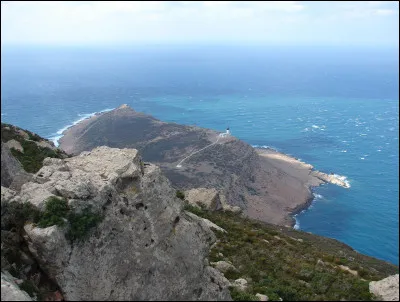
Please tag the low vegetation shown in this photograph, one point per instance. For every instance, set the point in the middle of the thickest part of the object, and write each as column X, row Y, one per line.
column 56, row 212
column 293, row 265
column 180, row 195
column 33, row 155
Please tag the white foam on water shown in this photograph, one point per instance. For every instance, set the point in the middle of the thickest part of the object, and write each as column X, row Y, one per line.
column 342, row 178
column 83, row 116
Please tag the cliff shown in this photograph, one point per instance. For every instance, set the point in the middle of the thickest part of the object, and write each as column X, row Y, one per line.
column 144, row 248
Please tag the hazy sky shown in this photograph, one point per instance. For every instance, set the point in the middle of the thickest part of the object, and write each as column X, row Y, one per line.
column 291, row 22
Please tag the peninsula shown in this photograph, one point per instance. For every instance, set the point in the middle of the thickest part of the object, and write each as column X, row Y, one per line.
column 267, row 185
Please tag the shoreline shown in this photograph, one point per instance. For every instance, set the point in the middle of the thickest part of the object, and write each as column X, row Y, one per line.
column 313, row 179
column 284, row 182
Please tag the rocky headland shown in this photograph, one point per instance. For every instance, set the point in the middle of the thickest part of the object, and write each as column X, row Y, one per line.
column 267, row 185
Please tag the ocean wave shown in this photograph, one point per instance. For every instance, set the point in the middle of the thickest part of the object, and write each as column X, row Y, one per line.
column 297, row 224
column 342, row 178
column 83, row 116
column 265, row 147
column 318, row 196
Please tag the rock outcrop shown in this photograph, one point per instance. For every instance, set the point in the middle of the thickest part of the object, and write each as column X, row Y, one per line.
column 12, row 173
column 386, row 289
column 145, row 248
column 210, row 199
column 10, row 291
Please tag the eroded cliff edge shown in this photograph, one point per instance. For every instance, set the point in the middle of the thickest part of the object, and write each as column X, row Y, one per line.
column 145, row 248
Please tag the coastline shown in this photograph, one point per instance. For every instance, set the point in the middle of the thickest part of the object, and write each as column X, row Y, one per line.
column 305, row 173
column 283, row 184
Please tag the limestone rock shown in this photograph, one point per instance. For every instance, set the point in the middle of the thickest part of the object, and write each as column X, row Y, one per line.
column 206, row 197
column 46, row 144
column 10, row 291
column 386, row 289
column 146, row 247
column 262, row 297
column 12, row 143
column 209, row 223
column 240, row 284
column 12, row 173
column 223, row 266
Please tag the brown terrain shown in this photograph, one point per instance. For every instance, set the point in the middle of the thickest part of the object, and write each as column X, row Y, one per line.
column 267, row 185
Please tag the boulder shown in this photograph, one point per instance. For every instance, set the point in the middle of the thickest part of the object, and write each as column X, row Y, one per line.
column 240, row 284
column 223, row 266
column 12, row 173
column 209, row 198
column 10, row 290
column 262, row 297
column 12, row 143
column 386, row 289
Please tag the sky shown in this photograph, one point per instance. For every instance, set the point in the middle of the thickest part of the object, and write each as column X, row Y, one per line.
column 374, row 23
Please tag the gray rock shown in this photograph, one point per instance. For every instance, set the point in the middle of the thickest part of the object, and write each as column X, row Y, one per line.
column 262, row 297
column 223, row 266
column 12, row 143
column 240, row 284
column 10, row 291
column 12, row 173
column 386, row 289
column 210, row 224
column 146, row 247
column 206, row 197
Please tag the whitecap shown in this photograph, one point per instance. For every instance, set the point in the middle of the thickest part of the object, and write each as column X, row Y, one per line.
column 83, row 116
column 342, row 178
column 318, row 196
column 362, row 158
column 379, row 150
column 344, row 151
column 297, row 224
column 315, row 126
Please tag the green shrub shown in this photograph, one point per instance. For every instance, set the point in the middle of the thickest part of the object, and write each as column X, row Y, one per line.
column 238, row 295
column 195, row 210
column 81, row 223
column 16, row 214
column 55, row 210
column 29, row 287
column 180, row 194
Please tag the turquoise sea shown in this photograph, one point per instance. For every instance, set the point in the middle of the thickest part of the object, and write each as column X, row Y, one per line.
column 335, row 108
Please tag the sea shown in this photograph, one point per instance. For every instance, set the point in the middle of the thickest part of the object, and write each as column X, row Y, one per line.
column 335, row 107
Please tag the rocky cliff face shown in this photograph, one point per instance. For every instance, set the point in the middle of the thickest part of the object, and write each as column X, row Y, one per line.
column 12, row 173
column 259, row 186
column 145, row 248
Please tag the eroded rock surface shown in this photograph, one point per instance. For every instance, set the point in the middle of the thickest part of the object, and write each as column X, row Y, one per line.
column 145, row 248
column 10, row 291
column 386, row 289
column 12, row 173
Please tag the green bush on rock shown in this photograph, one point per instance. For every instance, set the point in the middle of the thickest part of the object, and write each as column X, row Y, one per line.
column 55, row 211
column 81, row 223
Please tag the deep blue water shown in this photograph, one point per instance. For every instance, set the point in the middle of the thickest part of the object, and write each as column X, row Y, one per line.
column 334, row 108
